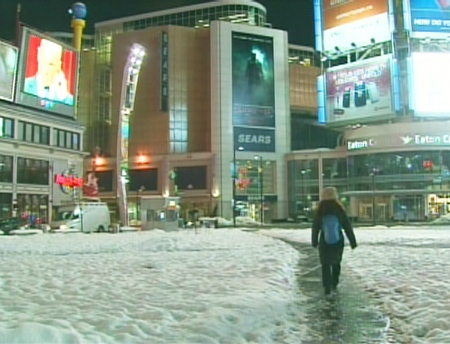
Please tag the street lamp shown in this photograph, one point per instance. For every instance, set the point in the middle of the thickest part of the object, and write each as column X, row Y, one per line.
column 234, row 177
column 138, row 202
column 303, row 192
column 374, row 220
column 261, row 188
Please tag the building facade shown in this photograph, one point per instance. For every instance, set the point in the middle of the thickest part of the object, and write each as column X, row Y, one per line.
column 38, row 154
column 377, row 93
column 41, row 143
column 191, row 132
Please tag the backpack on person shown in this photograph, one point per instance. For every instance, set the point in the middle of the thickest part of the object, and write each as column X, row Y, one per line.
column 331, row 228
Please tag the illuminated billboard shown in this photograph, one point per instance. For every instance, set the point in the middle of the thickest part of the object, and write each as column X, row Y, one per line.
column 430, row 96
column 341, row 19
column 48, row 74
column 254, row 139
column 430, row 16
column 359, row 90
column 8, row 68
column 253, row 80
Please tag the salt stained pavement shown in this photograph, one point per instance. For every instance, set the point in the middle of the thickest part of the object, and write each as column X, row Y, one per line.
column 218, row 286
column 406, row 270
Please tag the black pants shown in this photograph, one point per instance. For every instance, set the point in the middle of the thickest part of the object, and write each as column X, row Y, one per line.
column 330, row 275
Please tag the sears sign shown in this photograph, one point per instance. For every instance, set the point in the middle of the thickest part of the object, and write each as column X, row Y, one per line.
column 254, row 140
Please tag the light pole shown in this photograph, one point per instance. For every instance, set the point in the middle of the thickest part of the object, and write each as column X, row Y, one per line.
column 234, row 177
column 138, row 202
column 261, row 188
column 303, row 192
column 374, row 220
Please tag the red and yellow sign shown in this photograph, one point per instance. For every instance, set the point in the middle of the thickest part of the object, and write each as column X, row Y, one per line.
column 68, row 181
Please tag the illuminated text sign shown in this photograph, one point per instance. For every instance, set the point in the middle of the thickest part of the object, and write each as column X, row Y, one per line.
column 360, row 144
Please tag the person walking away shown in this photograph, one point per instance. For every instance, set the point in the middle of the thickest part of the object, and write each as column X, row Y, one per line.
column 330, row 219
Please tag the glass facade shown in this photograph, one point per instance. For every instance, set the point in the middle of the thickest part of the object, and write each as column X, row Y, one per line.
column 376, row 187
column 34, row 133
column 39, row 134
column 5, row 205
column 198, row 18
column 66, row 139
column 32, row 171
column 32, row 208
column 6, row 169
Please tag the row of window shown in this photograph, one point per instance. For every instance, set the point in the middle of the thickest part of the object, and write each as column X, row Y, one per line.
column 382, row 164
column 193, row 18
column 39, row 134
column 417, row 170
column 29, row 171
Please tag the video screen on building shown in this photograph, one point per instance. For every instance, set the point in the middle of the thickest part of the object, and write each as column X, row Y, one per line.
column 358, row 22
column 48, row 74
column 430, row 87
column 431, row 16
column 8, row 69
column 253, row 80
column 359, row 90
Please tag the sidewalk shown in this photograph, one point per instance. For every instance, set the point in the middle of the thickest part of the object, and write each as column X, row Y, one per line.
column 347, row 317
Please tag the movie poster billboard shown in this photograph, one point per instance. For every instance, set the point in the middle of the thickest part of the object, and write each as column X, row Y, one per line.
column 348, row 21
column 430, row 96
column 253, row 80
column 48, row 74
column 360, row 90
column 8, row 69
column 430, row 16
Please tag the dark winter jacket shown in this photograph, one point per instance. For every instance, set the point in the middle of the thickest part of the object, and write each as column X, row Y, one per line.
column 331, row 254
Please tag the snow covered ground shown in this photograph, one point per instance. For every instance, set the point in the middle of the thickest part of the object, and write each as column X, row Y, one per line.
column 407, row 269
column 218, row 286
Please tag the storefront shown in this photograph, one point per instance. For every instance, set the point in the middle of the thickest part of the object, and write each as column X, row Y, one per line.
column 393, row 172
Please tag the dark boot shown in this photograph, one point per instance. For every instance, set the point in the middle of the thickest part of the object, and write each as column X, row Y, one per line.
column 335, row 274
column 326, row 278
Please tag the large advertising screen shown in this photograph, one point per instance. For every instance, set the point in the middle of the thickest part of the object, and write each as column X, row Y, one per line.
column 253, row 80
column 359, row 90
column 430, row 87
column 431, row 16
column 48, row 74
column 350, row 21
column 8, row 68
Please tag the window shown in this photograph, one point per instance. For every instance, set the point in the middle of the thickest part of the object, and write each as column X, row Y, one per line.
column 32, row 171
column 34, row 133
column 6, row 169
column 6, row 128
column 66, row 139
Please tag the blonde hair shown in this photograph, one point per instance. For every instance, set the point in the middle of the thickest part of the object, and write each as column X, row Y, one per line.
column 329, row 194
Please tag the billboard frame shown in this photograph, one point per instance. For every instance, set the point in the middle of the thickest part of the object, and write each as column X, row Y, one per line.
column 14, row 76
column 408, row 20
column 323, row 112
column 41, row 103
column 320, row 22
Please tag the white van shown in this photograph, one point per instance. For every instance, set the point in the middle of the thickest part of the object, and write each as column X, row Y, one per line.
column 83, row 217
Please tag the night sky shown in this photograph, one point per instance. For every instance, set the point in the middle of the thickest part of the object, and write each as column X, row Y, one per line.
column 294, row 16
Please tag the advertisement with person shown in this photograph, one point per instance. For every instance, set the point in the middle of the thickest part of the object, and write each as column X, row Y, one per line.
column 48, row 74
column 8, row 68
column 342, row 18
column 430, row 96
column 253, row 80
column 360, row 90
column 431, row 16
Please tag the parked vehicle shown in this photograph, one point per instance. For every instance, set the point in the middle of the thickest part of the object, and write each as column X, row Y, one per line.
column 7, row 225
column 83, row 217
